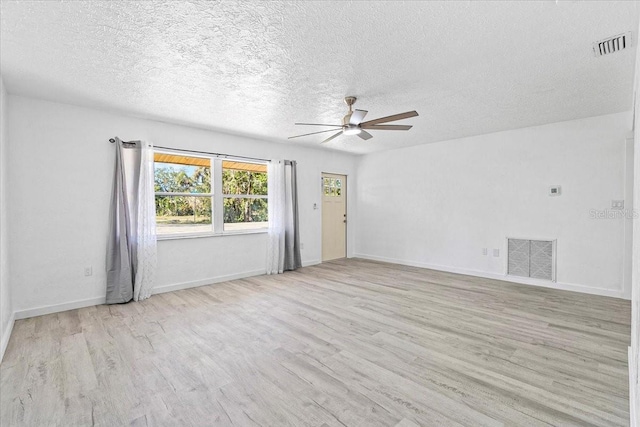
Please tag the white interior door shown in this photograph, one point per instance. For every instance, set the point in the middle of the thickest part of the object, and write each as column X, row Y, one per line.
column 334, row 216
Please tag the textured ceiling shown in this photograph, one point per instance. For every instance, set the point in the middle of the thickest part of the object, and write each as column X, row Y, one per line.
column 255, row 68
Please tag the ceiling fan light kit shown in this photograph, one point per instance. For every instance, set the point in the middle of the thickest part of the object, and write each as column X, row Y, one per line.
column 352, row 123
column 352, row 130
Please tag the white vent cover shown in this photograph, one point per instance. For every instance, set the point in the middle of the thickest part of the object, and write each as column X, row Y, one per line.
column 612, row 44
column 531, row 258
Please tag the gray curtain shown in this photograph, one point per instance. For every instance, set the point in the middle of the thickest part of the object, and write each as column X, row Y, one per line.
column 292, row 257
column 121, row 249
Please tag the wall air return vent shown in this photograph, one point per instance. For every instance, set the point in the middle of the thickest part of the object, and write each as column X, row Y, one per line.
column 531, row 258
column 612, row 44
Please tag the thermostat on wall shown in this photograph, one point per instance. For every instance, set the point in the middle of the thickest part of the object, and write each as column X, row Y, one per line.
column 554, row 190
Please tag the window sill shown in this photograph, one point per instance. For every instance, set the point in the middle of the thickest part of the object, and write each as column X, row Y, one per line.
column 203, row 235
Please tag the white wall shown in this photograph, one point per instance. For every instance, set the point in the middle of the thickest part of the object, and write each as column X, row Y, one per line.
column 437, row 205
column 61, row 174
column 6, row 309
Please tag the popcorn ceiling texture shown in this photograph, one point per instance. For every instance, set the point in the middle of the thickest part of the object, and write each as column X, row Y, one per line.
column 255, row 68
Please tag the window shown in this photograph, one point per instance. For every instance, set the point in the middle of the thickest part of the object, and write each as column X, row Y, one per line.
column 207, row 195
column 332, row 187
column 244, row 188
column 183, row 194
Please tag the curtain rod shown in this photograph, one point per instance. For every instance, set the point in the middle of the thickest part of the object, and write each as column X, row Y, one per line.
column 112, row 140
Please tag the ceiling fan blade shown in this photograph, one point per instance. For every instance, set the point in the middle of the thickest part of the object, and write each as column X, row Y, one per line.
column 387, row 127
column 312, row 133
column 365, row 135
column 331, row 137
column 390, row 118
column 316, row 124
column 357, row 117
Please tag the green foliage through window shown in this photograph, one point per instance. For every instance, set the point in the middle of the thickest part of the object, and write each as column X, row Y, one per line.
column 244, row 209
column 183, row 196
column 174, row 178
column 185, row 201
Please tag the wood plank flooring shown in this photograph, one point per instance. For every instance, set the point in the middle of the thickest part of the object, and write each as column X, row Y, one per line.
column 345, row 343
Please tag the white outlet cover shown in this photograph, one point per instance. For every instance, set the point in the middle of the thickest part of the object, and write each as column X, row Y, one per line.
column 617, row 204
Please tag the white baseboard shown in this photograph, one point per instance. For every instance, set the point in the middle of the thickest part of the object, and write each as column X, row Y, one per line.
column 204, row 282
column 487, row 275
column 57, row 308
column 312, row 262
column 6, row 334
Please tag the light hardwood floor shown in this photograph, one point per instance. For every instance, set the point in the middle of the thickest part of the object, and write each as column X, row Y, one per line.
column 346, row 343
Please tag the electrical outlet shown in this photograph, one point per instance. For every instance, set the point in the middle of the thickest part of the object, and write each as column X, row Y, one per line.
column 484, row 251
column 617, row 204
column 301, row 245
column 496, row 253
column 88, row 271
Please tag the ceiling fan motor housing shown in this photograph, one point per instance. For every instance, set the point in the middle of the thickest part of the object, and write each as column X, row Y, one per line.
column 349, row 100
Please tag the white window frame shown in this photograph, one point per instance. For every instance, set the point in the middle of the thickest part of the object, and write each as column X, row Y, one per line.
column 238, row 196
column 217, row 197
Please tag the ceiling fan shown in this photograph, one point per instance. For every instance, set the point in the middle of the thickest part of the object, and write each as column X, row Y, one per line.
column 352, row 123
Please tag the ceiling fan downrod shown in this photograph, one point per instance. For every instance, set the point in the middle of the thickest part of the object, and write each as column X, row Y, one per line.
column 347, row 127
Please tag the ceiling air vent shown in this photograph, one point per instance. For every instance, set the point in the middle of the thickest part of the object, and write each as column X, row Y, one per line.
column 612, row 44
